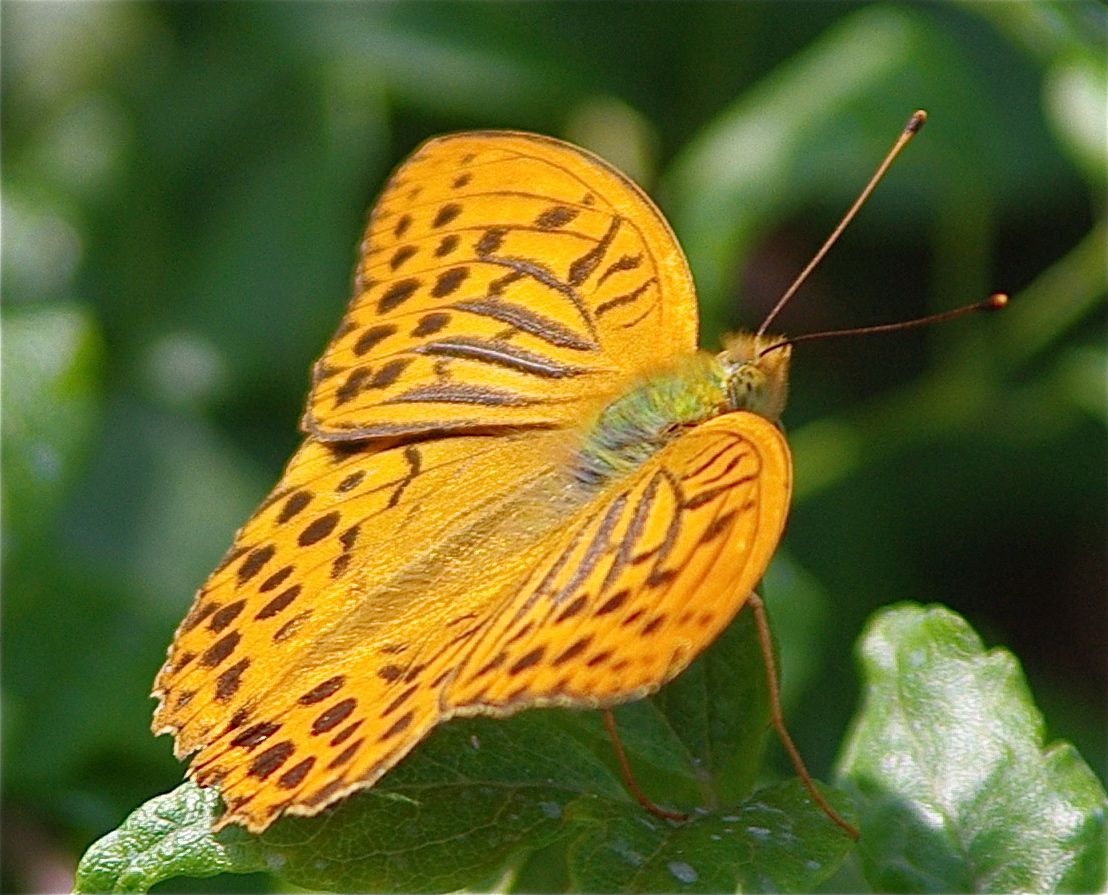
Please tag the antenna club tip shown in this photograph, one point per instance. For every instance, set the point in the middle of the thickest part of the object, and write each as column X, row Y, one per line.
column 918, row 120
column 996, row 301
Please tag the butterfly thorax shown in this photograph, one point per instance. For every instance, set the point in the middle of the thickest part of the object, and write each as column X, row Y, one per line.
column 639, row 423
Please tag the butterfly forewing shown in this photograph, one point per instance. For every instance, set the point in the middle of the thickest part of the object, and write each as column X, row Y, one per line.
column 505, row 279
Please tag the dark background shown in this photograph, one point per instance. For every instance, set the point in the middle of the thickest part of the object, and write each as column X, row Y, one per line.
column 183, row 186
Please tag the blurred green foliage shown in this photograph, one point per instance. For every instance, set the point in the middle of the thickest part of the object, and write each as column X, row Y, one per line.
column 183, row 186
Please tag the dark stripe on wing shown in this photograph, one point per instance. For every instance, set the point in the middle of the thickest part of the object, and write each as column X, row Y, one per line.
column 627, row 262
column 542, row 590
column 633, row 534
column 545, row 277
column 462, row 393
column 598, row 547
column 661, row 553
column 727, row 469
column 714, row 450
column 582, row 268
column 626, row 299
column 526, row 320
column 709, row 494
column 502, row 354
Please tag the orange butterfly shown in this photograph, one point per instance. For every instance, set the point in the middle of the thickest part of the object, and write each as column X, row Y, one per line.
column 521, row 486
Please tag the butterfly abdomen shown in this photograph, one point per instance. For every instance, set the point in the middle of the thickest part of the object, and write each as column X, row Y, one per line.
column 641, row 422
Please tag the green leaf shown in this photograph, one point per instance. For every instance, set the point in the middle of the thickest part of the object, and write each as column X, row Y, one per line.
column 481, row 795
column 775, row 841
column 958, row 793
column 171, row 835
column 475, row 795
column 410, row 837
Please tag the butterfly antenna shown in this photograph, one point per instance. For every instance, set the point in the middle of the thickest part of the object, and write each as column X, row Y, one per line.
column 914, row 124
column 629, row 778
column 778, row 717
column 994, row 302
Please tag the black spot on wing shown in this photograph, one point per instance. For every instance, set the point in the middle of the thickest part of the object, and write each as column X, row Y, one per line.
column 372, row 337
column 430, row 324
column 446, row 214
column 398, row 293
column 555, row 216
column 449, row 281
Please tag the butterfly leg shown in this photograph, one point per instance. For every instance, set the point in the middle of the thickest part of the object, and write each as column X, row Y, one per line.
column 629, row 778
column 778, row 718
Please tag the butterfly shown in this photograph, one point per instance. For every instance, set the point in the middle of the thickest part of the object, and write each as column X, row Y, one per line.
column 520, row 485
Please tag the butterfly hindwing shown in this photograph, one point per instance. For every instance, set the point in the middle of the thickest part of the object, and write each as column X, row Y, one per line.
column 646, row 576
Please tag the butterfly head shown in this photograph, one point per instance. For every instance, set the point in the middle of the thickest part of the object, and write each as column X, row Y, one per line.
column 756, row 379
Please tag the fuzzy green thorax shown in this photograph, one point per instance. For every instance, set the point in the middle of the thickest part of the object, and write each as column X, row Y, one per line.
column 641, row 422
